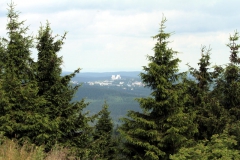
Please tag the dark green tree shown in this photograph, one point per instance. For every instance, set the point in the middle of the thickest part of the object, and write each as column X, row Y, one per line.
column 72, row 128
column 21, row 115
column 219, row 147
column 211, row 115
column 163, row 127
column 105, row 145
column 228, row 87
column 232, row 79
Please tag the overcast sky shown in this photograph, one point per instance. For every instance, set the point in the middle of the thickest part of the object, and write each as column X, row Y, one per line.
column 115, row 35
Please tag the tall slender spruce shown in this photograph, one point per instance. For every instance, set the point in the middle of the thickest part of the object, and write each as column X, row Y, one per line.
column 232, row 79
column 72, row 128
column 105, row 145
column 229, row 87
column 163, row 126
column 20, row 117
column 211, row 115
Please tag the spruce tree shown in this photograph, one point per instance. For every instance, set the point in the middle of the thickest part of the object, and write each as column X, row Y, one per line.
column 228, row 87
column 105, row 145
column 21, row 115
column 72, row 128
column 211, row 115
column 232, row 79
column 163, row 126
column 220, row 146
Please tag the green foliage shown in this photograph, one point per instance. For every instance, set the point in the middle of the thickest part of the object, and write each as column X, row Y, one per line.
column 231, row 87
column 20, row 106
column 216, row 108
column 72, row 127
column 105, row 145
column 104, row 126
column 211, row 115
column 164, row 126
column 229, row 81
column 36, row 101
column 221, row 147
column 182, row 118
column 48, row 64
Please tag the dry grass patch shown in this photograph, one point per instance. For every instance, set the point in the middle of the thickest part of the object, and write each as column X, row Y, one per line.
column 10, row 150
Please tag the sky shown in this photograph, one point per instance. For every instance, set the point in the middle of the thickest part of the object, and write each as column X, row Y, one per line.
column 116, row 35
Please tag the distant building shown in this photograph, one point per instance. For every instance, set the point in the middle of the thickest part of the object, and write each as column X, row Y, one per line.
column 91, row 83
column 117, row 77
column 121, row 83
column 137, row 83
column 113, row 77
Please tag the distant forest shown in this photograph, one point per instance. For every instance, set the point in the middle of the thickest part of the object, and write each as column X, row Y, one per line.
column 43, row 114
column 119, row 100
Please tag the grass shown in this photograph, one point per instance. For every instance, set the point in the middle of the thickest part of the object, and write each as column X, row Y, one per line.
column 10, row 150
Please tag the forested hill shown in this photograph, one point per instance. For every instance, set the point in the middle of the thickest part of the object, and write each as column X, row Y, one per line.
column 120, row 98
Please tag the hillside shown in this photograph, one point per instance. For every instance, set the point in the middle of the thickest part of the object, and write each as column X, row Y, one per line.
column 120, row 98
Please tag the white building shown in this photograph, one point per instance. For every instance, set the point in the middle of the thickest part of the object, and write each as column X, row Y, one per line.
column 117, row 77
column 136, row 83
column 113, row 77
column 121, row 83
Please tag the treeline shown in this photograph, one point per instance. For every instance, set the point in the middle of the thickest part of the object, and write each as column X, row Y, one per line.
column 36, row 101
column 119, row 100
column 182, row 118
column 191, row 115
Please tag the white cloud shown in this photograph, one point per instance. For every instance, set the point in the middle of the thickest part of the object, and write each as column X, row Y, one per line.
column 189, row 47
column 116, row 35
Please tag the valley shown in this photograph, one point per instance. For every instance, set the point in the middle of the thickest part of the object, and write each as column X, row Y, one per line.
column 120, row 94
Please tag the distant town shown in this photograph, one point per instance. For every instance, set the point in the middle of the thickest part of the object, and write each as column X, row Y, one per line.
column 115, row 80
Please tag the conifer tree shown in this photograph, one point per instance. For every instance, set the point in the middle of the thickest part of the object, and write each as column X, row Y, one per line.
column 220, row 146
column 227, row 84
column 232, row 80
column 211, row 115
column 228, row 87
column 105, row 144
column 72, row 128
column 163, row 127
column 20, row 117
